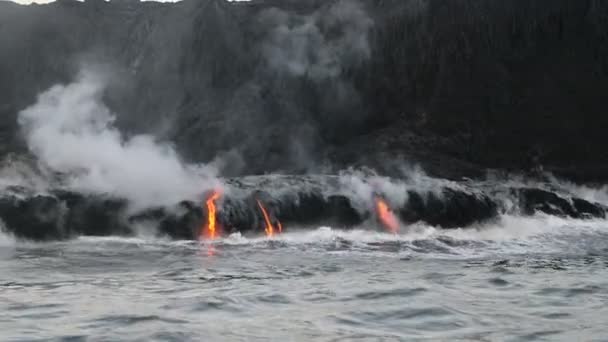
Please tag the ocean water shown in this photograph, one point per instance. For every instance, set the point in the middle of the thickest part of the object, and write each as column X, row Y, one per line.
column 518, row 279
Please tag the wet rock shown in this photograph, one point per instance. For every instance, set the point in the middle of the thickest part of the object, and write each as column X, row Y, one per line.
column 448, row 209
column 296, row 203
column 314, row 209
column 184, row 222
column 37, row 218
column 588, row 209
column 533, row 200
column 539, row 200
column 95, row 215
column 244, row 214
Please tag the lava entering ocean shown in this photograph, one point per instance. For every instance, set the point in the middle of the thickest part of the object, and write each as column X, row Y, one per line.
column 209, row 232
column 386, row 216
column 269, row 228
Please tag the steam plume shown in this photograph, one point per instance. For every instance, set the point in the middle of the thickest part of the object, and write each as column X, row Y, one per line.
column 72, row 132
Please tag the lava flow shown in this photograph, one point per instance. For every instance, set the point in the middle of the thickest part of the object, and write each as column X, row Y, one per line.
column 386, row 216
column 269, row 227
column 210, row 230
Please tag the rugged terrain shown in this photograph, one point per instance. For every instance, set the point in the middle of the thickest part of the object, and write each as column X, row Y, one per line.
column 296, row 202
column 300, row 86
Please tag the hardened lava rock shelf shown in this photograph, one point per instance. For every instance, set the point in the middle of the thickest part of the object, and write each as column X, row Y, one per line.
column 291, row 202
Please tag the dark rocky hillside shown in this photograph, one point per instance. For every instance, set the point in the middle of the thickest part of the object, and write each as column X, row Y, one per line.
column 456, row 85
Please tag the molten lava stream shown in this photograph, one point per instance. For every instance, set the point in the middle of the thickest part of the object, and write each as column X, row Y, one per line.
column 269, row 229
column 210, row 230
column 386, row 216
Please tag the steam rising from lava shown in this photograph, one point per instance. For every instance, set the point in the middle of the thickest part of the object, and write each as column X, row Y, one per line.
column 72, row 133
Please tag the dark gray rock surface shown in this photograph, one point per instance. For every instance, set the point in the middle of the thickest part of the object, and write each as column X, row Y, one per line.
column 297, row 202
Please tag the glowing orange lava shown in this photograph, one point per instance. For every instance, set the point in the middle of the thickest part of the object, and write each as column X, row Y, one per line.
column 386, row 216
column 269, row 227
column 211, row 226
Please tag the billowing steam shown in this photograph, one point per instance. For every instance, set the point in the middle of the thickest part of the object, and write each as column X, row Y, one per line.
column 72, row 132
column 319, row 45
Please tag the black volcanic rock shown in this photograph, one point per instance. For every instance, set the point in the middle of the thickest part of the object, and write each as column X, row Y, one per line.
column 184, row 222
column 297, row 202
column 37, row 218
column 587, row 209
column 455, row 85
column 534, row 200
column 448, row 209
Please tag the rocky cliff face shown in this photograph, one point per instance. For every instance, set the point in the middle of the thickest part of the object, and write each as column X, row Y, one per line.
column 269, row 85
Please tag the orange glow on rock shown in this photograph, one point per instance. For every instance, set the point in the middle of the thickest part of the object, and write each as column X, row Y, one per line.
column 386, row 216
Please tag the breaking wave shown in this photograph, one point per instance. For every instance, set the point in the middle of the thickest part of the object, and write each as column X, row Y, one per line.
column 511, row 235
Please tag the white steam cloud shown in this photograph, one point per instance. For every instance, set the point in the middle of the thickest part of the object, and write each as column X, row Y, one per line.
column 72, row 132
